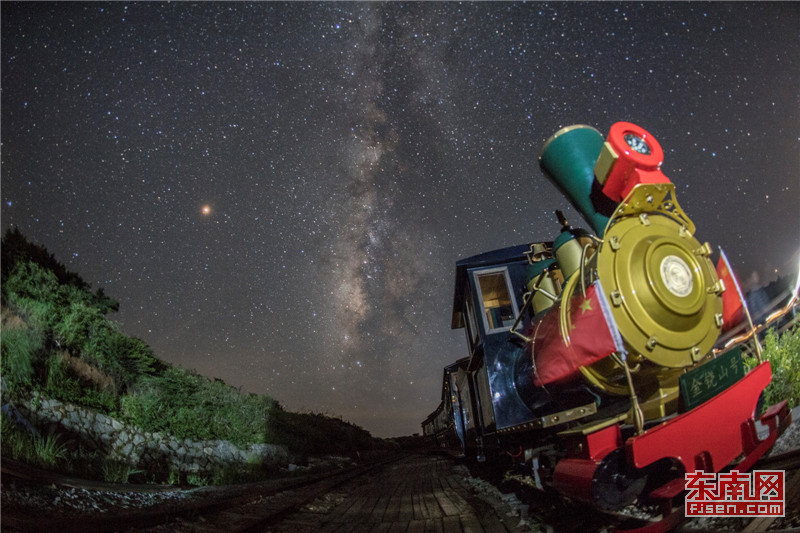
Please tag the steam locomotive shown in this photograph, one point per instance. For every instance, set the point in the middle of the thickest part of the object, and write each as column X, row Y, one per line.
column 591, row 357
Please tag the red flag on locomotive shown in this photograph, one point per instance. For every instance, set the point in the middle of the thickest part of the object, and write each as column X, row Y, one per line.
column 732, row 299
column 587, row 334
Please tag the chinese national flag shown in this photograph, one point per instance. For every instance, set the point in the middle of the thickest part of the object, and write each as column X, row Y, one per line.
column 589, row 334
column 732, row 300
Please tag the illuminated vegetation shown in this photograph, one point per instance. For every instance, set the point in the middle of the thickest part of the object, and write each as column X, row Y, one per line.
column 57, row 339
column 783, row 353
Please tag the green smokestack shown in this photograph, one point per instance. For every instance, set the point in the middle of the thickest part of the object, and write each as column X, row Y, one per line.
column 568, row 159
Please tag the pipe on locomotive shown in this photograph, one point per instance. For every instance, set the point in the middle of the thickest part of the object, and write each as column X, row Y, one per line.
column 597, row 174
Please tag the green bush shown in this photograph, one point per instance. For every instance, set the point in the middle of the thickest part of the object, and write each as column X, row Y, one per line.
column 16, row 250
column 783, row 353
column 62, row 384
column 134, row 357
column 19, row 444
column 16, row 443
column 195, row 407
column 103, row 401
column 105, row 350
column 59, row 384
column 77, row 324
column 29, row 281
column 19, row 349
column 115, row 471
column 197, row 480
column 73, row 318
column 49, row 451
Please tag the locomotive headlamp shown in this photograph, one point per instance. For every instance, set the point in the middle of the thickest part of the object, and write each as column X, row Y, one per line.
column 637, row 144
column 630, row 156
column 676, row 276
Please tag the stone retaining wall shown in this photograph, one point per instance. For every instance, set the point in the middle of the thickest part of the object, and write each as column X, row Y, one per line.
column 137, row 448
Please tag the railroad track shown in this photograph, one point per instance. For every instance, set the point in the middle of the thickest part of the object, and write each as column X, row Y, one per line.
column 329, row 502
column 789, row 460
column 790, row 463
column 564, row 515
column 560, row 514
column 21, row 473
column 241, row 508
column 256, row 512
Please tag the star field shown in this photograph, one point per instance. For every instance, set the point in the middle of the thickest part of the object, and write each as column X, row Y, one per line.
column 277, row 193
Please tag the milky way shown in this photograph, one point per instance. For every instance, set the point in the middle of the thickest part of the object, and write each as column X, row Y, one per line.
column 277, row 193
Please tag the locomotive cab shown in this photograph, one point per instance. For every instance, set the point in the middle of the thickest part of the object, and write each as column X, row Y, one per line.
column 491, row 303
column 487, row 303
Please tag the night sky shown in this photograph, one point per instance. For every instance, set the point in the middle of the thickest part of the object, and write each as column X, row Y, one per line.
column 277, row 193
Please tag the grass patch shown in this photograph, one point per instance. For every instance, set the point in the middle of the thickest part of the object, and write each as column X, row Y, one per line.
column 16, row 442
column 49, row 450
column 19, row 348
column 197, row 480
column 194, row 407
column 783, row 353
column 45, row 451
column 115, row 471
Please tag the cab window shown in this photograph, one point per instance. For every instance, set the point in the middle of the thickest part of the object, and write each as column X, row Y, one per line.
column 494, row 290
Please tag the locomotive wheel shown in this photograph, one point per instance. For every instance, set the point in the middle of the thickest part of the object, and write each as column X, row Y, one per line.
column 615, row 484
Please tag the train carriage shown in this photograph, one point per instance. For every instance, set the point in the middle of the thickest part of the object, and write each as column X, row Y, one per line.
column 444, row 428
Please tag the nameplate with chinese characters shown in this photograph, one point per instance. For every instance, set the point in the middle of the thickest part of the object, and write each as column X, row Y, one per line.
column 705, row 382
